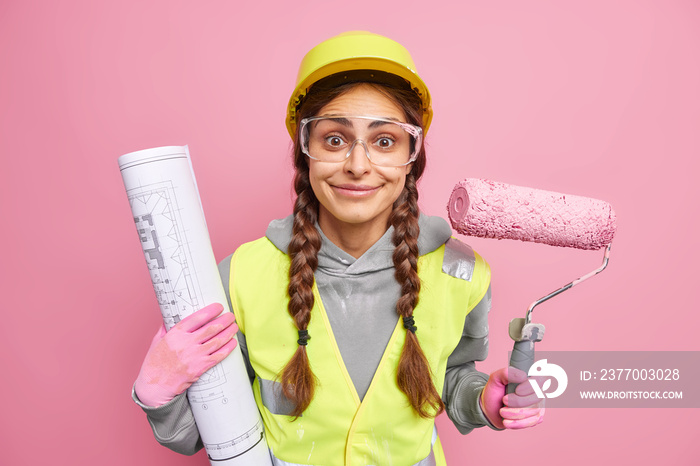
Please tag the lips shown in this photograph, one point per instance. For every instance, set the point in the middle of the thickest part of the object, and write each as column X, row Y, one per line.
column 355, row 190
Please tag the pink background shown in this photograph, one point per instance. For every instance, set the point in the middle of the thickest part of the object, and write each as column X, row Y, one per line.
column 596, row 98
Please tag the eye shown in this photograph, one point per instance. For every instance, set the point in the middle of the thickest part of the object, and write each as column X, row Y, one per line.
column 385, row 142
column 334, row 141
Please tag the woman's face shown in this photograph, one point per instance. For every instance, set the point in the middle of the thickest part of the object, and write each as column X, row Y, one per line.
column 355, row 192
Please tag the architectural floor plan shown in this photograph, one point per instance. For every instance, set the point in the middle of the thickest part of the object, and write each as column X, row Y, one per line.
column 172, row 230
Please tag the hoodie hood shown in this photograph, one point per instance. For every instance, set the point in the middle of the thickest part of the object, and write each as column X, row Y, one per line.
column 361, row 293
column 434, row 231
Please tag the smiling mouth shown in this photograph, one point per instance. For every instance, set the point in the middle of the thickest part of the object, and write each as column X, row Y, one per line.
column 354, row 190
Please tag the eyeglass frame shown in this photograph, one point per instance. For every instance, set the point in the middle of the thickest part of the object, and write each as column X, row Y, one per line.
column 413, row 130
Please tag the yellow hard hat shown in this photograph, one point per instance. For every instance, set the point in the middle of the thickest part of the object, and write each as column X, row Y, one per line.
column 351, row 51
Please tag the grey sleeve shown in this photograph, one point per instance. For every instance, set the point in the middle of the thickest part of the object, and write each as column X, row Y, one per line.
column 463, row 383
column 173, row 423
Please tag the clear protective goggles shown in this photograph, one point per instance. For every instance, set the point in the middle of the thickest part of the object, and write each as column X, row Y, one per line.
column 387, row 142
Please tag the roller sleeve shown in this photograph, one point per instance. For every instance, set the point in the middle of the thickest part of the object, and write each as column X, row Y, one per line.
column 489, row 209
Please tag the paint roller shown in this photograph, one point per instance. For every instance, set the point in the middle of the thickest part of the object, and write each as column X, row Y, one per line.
column 489, row 209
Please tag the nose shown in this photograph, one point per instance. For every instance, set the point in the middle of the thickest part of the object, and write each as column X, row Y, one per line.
column 357, row 160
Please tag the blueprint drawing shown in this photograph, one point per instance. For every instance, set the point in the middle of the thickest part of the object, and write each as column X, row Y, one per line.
column 170, row 223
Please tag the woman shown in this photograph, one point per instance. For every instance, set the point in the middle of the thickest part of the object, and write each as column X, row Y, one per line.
column 344, row 381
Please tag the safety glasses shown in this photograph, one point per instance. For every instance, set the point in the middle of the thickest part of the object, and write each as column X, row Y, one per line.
column 387, row 142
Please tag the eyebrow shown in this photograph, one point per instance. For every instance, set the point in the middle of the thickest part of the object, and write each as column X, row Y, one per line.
column 374, row 124
column 343, row 121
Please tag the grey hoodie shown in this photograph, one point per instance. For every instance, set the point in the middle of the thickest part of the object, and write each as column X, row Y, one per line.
column 359, row 296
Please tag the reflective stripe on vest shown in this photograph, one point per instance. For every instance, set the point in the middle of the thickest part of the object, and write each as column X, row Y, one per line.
column 459, row 259
column 338, row 429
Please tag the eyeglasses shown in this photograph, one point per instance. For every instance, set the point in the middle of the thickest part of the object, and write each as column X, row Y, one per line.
column 387, row 143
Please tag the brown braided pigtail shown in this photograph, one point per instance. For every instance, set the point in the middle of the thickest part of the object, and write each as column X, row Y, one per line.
column 298, row 380
column 413, row 374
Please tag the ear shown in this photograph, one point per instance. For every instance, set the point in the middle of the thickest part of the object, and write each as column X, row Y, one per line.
column 409, row 167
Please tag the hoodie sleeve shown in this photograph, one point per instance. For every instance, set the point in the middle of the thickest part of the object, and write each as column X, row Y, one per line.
column 463, row 383
column 173, row 423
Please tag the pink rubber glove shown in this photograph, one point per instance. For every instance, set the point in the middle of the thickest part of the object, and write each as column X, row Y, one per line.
column 515, row 410
column 178, row 358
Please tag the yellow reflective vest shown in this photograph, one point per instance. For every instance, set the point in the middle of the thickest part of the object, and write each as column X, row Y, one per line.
column 337, row 428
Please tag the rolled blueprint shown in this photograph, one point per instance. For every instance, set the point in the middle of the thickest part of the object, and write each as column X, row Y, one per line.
column 170, row 222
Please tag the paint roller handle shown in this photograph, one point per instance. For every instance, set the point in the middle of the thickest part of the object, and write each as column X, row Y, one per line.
column 522, row 357
column 525, row 334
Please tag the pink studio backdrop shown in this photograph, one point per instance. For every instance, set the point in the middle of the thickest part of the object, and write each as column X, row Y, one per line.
column 597, row 98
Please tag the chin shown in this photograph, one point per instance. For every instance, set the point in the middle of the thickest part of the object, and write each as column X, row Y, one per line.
column 356, row 215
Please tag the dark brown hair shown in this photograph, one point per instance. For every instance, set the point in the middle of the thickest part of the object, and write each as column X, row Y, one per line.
column 413, row 373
